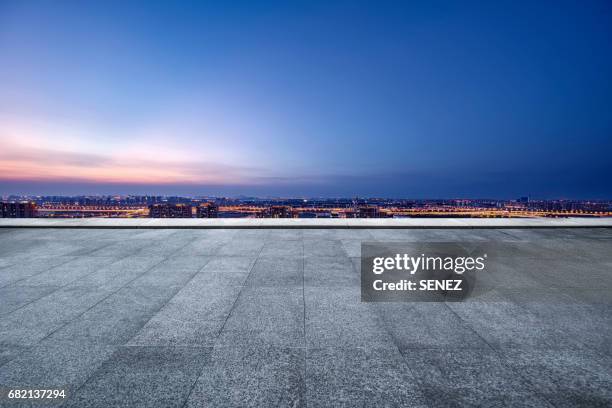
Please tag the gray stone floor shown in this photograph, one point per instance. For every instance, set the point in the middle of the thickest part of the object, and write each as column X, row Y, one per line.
column 213, row 318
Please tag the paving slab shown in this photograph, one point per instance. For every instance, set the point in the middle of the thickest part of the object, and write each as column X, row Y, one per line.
column 241, row 247
column 565, row 378
column 163, row 247
column 229, row 264
column 586, row 322
column 13, row 297
column 119, row 273
column 315, row 247
column 117, row 318
column 52, row 366
column 284, row 234
column 330, row 271
column 9, row 352
column 201, row 247
column 35, row 321
column 23, row 268
column 277, row 272
column 193, row 317
column 143, row 377
column 468, row 378
column 251, row 377
column 284, row 248
column 121, row 248
column 266, row 316
column 335, row 376
column 427, row 325
column 171, row 272
column 503, row 323
column 335, row 317
column 68, row 272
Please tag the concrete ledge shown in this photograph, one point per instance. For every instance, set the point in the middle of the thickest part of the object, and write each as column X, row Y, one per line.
column 147, row 223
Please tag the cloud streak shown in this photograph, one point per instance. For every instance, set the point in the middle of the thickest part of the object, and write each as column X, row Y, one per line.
column 42, row 164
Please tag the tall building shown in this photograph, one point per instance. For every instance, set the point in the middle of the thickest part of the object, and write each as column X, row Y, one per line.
column 170, row 211
column 207, row 210
column 23, row 209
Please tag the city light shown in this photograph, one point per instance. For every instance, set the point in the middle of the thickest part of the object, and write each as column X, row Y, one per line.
column 215, row 207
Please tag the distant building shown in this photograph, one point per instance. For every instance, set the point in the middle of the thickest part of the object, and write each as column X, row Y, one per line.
column 362, row 211
column 170, row 211
column 278, row 211
column 207, row 210
column 23, row 209
column 349, row 213
column 368, row 211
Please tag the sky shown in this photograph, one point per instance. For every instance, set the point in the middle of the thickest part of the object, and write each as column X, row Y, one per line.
column 329, row 99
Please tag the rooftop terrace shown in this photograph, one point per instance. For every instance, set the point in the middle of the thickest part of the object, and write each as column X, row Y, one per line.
column 272, row 317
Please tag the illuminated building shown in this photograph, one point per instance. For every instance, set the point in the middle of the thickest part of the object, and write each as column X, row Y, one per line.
column 207, row 210
column 24, row 209
column 368, row 212
column 278, row 211
column 170, row 211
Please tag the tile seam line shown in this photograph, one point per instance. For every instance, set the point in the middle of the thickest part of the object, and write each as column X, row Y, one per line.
column 61, row 264
column 420, row 381
column 36, row 274
column 469, row 326
column 305, row 367
column 153, row 314
column 107, row 345
column 16, row 283
column 70, row 254
column 100, row 301
column 201, row 371
column 497, row 352
column 532, row 386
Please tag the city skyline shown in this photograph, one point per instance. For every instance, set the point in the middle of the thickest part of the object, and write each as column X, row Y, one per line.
column 309, row 99
column 251, row 207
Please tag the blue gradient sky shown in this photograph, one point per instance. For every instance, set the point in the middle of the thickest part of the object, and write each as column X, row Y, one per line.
column 444, row 99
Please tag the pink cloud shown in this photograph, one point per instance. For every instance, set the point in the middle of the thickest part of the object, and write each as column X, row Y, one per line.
column 42, row 164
